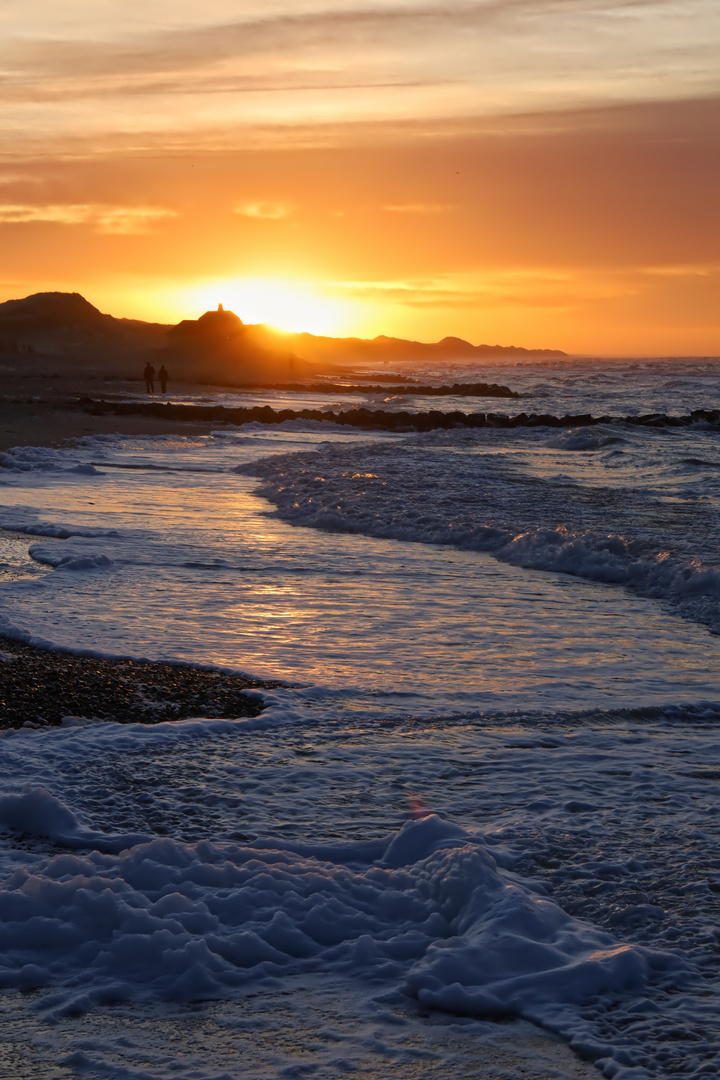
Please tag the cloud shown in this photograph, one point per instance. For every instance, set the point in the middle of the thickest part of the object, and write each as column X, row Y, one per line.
column 279, row 34
column 118, row 220
column 691, row 271
column 527, row 289
column 465, row 58
column 419, row 208
column 264, row 211
column 8, row 179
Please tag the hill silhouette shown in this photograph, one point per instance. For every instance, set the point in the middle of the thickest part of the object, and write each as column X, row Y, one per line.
column 64, row 333
column 219, row 347
column 384, row 348
column 66, row 329
column 51, row 310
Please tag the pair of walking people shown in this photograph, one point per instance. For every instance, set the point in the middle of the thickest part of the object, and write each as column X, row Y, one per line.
column 149, row 376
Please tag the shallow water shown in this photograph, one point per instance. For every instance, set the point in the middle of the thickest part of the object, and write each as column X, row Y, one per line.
column 199, row 569
column 510, row 629
column 614, row 813
column 615, row 387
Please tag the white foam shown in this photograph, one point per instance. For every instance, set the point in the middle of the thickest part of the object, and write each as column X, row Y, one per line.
column 432, row 912
column 24, row 519
column 278, row 863
column 61, row 560
column 586, row 439
column 457, row 489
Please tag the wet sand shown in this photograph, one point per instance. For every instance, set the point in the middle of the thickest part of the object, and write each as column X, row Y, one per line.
column 36, row 413
column 39, row 687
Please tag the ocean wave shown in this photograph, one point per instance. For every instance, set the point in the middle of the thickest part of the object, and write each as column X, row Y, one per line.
column 45, row 459
column 24, row 520
column 585, row 439
column 59, row 560
column 425, row 494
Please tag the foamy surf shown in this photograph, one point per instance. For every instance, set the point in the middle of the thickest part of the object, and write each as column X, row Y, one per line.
column 501, row 724
column 212, row 859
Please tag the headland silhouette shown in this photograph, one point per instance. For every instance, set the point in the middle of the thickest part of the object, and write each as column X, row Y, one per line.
column 63, row 335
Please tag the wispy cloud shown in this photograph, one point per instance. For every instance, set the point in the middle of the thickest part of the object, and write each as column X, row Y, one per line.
column 263, row 211
column 418, row 208
column 361, row 60
column 284, row 35
column 528, row 289
column 119, row 220
column 689, row 271
column 9, row 179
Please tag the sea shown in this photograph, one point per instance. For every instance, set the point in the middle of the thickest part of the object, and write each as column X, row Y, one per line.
column 478, row 819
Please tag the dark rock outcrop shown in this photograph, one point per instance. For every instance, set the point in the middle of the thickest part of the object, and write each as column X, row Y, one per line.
column 219, row 348
column 384, row 420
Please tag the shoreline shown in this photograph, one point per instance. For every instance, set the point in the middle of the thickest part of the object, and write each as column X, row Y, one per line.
column 35, row 413
column 40, row 423
column 54, row 424
column 41, row 686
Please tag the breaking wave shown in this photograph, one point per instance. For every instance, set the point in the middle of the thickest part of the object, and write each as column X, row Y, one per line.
column 430, row 494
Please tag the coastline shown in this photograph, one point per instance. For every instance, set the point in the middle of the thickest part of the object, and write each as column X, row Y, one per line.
column 27, row 419
column 34, row 421
column 76, row 685
column 41, row 686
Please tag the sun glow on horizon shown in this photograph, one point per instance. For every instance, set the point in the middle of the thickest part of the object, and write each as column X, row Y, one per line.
column 281, row 304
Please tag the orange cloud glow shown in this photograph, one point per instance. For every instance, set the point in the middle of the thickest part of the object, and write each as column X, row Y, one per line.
column 514, row 171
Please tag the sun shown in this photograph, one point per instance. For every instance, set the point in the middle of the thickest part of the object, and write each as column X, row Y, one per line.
column 284, row 305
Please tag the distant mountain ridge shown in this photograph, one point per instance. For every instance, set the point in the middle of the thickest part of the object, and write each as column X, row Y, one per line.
column 216, row 347
column 384, row 347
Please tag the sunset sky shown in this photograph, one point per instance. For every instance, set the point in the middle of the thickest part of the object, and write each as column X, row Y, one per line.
column 533, row 172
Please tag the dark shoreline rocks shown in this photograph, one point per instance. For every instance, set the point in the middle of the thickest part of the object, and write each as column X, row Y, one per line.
column 408, row 388
column 41, row 686
column 383, row 419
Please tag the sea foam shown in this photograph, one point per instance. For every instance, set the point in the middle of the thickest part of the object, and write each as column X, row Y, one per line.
column 432, row 913
column 458, row 490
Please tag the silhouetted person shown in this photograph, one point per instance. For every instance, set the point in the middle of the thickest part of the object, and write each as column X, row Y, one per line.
column 163, row 377
column 149, row 376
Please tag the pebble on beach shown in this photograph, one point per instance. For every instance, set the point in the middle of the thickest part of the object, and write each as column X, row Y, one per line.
column 41, row 687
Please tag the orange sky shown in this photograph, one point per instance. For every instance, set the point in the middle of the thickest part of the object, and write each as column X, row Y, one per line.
column 532, row 172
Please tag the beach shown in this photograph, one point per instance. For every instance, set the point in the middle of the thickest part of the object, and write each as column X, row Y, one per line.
column 359, row 541
column 42, row 687
column 46, row 687
column 378, row 761
column 40, row 412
